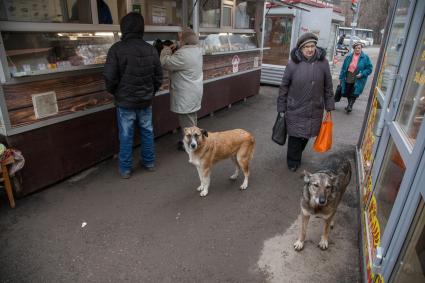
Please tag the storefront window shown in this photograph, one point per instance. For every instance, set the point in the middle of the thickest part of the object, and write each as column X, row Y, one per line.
column 370, row 138
column 189, row 14
column 49, row 11
column 410, row 267
column 111, row 11
column 395, row 44
column 245, row 14
column 210, row 13
column 388, row 184
column 227, row 16
column 159, row 12
column 412, row 108
column 278, row 39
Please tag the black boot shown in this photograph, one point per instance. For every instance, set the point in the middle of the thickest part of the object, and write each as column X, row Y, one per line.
column 349, row 107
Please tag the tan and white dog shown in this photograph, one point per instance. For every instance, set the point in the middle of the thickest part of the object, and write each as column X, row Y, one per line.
column 205, row 149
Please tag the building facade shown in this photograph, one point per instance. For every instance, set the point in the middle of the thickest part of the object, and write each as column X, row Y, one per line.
column 391, row 159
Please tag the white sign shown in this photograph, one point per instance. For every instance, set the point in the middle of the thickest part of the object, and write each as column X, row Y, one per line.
column 235, row 63
column 45, row 104
column 256, row 62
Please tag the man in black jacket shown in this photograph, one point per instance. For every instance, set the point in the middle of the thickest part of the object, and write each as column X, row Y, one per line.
column 133, row 74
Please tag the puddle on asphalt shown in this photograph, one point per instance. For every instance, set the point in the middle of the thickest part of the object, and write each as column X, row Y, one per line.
column 339, row 263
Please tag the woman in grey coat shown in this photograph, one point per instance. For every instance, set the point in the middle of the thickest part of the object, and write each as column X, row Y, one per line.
column 305, row 92
column 186, row 78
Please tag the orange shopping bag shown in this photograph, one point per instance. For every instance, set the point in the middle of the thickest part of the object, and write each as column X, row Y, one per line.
column 323, row 140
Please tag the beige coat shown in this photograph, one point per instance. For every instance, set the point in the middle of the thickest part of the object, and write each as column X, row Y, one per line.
column 186, row 86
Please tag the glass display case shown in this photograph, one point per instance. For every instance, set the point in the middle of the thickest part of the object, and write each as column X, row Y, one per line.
column 36, row 53
column 242, row 41
column 227, row 42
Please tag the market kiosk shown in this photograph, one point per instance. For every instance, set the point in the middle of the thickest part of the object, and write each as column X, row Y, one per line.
column 390, row 155
column 53, row 102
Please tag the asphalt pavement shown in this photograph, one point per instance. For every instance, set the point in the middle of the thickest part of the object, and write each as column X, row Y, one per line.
column 154, row 227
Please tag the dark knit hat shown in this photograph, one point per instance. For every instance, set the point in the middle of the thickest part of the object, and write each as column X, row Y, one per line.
column 189, row 37
column 306, row 38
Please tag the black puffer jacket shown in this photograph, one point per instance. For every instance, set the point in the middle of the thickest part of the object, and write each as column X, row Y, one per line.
column 132, row 71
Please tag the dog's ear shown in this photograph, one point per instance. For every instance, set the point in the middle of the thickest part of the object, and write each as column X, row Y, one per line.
column 334, row 182
column 307, row 176
column 185, row 131
column 204, row 132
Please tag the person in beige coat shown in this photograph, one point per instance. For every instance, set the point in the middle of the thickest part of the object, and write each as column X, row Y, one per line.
column 186, row 78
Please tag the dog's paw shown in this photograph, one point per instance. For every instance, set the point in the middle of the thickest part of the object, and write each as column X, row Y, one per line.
column 233, row 177
column 298, row 245
column 244, row 185
column 203, row 193
column 200, row 188
column 323, row 244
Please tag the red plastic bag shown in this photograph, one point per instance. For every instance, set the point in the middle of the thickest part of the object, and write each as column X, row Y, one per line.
column 323, row 140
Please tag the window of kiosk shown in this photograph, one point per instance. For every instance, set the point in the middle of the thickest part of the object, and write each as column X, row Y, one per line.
column 394, row 47
column 278, row 30
column 410, row 266
column 111, row 11
column 227, row 16
column 388, row 184
column 159, row 12
column 47, row 11
column 36, row 53
column 412, row 107
column 245, row 14
column 189, row 13
column 210, row 13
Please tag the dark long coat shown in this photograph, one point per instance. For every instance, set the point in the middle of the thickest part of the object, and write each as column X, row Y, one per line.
column 305, row 92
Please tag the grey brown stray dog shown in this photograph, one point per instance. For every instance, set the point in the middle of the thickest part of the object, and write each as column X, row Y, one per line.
column 322, row 194
column 206, row 148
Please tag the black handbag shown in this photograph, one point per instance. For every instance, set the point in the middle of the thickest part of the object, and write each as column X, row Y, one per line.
column 279, row 129
column 337, row 96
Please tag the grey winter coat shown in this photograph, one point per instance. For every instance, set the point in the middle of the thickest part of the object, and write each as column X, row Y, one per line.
column 186, row 76
column 306, row 90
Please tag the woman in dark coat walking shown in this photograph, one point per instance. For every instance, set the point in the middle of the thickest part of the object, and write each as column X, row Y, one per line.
column 306, row 90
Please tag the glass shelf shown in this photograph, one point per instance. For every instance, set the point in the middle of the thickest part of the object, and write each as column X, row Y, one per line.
column 39, row 53
column 223, row 43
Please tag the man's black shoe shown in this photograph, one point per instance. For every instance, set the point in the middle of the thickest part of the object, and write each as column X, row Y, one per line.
column 293, row 168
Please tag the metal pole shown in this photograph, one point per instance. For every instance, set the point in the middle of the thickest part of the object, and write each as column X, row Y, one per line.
column 354, row 24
